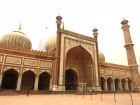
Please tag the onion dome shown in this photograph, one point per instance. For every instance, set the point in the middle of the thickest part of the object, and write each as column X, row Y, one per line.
column 101, row 57
column 51, row 43
column 16, row 39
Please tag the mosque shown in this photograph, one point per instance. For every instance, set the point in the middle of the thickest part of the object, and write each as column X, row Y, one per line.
column 71, row 62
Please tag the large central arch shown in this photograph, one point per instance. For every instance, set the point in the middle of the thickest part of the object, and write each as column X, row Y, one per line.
column 80, row 58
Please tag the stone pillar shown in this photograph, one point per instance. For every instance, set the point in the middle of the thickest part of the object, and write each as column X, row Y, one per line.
column 50, row 85
column 36, row 83
column 106, row 87
column 0, row 79
column 126, row 85
column 120, row 85
column 113, row 85
column 132, row 88
column 19, row 82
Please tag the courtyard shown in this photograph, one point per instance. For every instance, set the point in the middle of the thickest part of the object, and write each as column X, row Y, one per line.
column 72, row 99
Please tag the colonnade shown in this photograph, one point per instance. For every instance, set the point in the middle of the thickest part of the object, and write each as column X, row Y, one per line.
column 110, row 84
column 27, row 81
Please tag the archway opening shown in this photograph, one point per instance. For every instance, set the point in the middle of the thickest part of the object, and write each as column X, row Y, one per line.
column 130, row 84
column 123, row 84
column 109, row 84
column 116, row 84
column 28, row 79
column 9, row 80
column 102, row 83
column 44, row 81
column 79, row 58
column 70, row 80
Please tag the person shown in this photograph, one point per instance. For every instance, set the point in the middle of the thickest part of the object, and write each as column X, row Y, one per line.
column 27, row 92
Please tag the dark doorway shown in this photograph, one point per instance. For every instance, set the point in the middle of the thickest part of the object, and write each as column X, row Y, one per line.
column 28, row 79
column 102, row 83
column 129, row 84
column 44, row 81
column 123, row 84
column 9, row 80
column 70, row 80
column 116, row 84
column 109, row 84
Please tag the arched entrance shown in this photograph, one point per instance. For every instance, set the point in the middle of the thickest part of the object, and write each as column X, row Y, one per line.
column 28, row 79
column 9, row 80
column 129, row 84
column 116, row 84
column 44, row 81
column 70, row 80
column 123, row 84
column 109, row 84
column 80, row 58
column 102, row 83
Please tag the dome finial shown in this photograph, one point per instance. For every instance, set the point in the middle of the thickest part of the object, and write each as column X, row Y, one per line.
column 19, row 27
column 63, row 25
column 95, row 32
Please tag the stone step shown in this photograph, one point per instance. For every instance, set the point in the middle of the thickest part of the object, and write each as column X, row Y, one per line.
column 8, row 93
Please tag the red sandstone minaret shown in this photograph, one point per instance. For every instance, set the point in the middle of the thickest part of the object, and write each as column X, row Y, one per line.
column 57, row 54
column 131, row 55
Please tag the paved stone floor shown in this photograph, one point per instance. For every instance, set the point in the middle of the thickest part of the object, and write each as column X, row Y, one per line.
column 107, row 99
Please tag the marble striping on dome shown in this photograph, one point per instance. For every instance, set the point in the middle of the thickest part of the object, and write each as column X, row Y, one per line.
column 101, row 57
column 17, row 39
column 51, row 43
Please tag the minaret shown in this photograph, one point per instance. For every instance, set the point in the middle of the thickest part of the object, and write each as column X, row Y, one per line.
column 97, row 80
column 131, row 55
column 57, row 54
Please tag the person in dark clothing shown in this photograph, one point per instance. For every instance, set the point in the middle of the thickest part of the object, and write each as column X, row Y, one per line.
column 27, row 92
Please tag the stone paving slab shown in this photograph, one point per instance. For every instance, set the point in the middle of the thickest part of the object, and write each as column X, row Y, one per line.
column 69, row 99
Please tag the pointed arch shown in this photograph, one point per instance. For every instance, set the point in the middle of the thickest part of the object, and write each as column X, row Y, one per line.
column 9, row 80
column 28, row 79
column 123, row 84
column 116, row 83
column 129, row 84
column 79, row 54
column 81, row 58
column 44, row 81
column 109, row 83
column 71, row 80
column 102, row 79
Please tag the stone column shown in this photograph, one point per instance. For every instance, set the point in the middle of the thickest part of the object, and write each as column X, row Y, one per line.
column 106, row 87
column 50, row 85
column 36, row 83
column 0, row 79
column 19, row 82
column 120, row 86
column 132, row 88
column 126, row 85
column 113, row 85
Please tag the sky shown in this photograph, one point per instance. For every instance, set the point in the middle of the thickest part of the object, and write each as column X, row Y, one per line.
column 38, row 17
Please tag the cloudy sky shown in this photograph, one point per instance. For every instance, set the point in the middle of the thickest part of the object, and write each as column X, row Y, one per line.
column 79, row 16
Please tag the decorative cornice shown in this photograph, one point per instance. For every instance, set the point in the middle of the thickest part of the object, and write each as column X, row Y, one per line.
column 77, row 34
column 30, row 53
column 112, row 65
